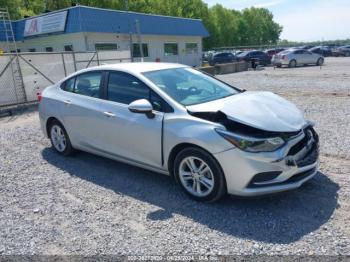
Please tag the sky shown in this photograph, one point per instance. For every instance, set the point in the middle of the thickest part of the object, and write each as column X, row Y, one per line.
column 302, row 20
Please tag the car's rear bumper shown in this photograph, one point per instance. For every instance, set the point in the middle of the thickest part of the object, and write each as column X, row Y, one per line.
column 252, row 174
column 279, row 62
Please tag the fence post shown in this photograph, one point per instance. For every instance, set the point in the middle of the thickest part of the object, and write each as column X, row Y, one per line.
column 64, row 65
column 98, row 60
column 74, row 62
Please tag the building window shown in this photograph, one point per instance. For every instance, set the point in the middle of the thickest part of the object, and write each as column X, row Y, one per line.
column 106, row 46
column 68, row 48
column 171, row 49
column 49, row 49
column 191, row 48
column 136, row 50
column 32, row 50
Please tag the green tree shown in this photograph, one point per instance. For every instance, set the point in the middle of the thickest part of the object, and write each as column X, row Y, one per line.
column 227, row 27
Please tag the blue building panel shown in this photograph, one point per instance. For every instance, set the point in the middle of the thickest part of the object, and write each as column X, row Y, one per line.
column 89, row 19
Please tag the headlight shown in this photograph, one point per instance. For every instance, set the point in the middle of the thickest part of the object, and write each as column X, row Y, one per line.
column 252, row 144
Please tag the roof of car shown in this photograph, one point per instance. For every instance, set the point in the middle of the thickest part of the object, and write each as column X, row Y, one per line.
column 138, row 67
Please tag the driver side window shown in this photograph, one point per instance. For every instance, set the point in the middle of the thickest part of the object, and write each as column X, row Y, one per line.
column 125, row 88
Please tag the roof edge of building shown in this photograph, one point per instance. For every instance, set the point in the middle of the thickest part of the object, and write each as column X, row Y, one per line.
column 103, row 9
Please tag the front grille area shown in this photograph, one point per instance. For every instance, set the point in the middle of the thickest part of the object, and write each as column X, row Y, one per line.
column 310, row 158
column 313, row 148
column 298, row 146
column 309, row 134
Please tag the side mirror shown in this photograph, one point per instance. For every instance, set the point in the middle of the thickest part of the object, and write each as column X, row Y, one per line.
column 142, row 106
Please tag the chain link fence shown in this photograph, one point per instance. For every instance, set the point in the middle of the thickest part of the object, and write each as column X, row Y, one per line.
column 21, row 80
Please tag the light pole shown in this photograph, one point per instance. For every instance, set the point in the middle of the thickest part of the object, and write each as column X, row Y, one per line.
column 137, row 24
column 130, row 33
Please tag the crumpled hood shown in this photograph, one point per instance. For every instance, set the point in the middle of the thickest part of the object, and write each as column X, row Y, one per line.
column 263, row 110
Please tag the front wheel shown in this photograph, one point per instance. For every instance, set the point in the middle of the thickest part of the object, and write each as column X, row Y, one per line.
column 59, row 139
column 199, row 175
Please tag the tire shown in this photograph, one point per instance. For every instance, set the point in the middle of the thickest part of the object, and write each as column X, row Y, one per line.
column 292, row 63
column 210, row 181
column 59, row 138
column 320, row 61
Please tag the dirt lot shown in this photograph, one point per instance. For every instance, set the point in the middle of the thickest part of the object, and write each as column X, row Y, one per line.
column 89, row 205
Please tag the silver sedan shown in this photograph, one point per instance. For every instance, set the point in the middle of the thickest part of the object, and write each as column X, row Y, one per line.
column 297, row 57
column 213, row 138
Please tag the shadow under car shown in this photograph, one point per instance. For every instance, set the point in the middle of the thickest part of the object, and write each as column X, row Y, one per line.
column 280, row 218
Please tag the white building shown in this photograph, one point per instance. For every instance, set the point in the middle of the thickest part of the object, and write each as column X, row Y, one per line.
column 82, row 28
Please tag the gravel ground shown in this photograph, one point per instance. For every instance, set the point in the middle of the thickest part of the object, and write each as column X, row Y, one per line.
column 90, row 205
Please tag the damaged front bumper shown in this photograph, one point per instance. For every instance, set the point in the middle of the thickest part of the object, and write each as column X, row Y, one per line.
column 251, row 174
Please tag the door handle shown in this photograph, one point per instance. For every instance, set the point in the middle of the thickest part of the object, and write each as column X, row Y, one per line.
column 109, row 114
column 67, row 102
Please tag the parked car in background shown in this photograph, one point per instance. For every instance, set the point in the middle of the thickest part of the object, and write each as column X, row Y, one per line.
column 341, row 51
column 296, row 57
column 322, row 50
column 306, row 47
column 206, row 55
column 237, row 52
column 261, row 57
column 273, row 51
column 178, row 121
column 221, row 58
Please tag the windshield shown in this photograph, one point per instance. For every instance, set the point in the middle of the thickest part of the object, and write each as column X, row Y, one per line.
column 244, row 53
column 285, row 52
column 188, row 86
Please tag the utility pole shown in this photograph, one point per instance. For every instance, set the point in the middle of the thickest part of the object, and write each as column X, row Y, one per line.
column 137, row 25
column 130, row 33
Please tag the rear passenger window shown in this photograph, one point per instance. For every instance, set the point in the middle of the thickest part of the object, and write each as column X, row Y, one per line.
column 88, row 84
column 69, row 85
column 125, row 88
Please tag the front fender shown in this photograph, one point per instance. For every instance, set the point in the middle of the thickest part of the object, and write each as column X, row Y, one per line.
column 191, row 130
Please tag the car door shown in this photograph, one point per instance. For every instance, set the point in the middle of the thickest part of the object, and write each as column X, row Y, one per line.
column 309, row 58
column 219, row 58
column 262, row 57
column 80, row 108
column 298, row 56
column 230, row 58
column 224, row 58
column 132, row 136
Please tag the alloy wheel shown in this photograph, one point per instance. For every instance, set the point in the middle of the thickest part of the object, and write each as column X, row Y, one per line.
column 58, row 138
column 196, row 176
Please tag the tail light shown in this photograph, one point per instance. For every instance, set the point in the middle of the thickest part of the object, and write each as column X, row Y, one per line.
column 39, row 96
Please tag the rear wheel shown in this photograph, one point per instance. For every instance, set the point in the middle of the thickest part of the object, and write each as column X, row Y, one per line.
column 292, row 63
column 199, row 175
column 59, row 138
column 320, row 61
